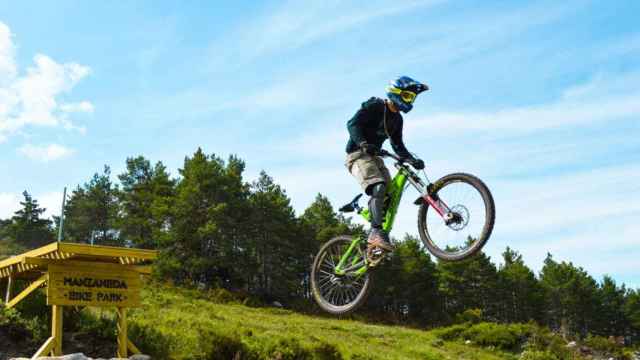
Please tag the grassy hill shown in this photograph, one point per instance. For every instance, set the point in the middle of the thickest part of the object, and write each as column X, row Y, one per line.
column 177, row 323
column 180, row 324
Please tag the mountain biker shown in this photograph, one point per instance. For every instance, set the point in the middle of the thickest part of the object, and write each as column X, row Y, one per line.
column 378, row 120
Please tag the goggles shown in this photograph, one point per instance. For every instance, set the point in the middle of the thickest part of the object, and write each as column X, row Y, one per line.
column 406, row 96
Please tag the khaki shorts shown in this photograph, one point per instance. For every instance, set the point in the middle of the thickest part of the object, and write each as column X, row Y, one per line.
column 367, row 169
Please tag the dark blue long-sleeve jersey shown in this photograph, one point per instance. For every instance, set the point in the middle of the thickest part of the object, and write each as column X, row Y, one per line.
column 367, row 125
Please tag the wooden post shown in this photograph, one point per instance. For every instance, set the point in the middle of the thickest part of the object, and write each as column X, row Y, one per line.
column 56, row 329
column 9, row 285
column 122, row 333
column 31, row 288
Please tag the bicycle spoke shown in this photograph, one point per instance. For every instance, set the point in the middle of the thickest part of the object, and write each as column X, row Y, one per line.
column 326, row 266
column 352, row 294
column 325, row 272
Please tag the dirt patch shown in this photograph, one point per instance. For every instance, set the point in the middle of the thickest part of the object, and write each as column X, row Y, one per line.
column 14, row 344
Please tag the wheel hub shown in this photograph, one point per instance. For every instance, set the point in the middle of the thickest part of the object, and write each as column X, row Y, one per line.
column 458, row 218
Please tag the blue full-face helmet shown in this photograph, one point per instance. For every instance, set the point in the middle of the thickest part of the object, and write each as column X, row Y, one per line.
column 403, row 91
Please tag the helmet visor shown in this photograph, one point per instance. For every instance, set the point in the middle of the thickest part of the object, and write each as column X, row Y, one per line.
column 408, row 96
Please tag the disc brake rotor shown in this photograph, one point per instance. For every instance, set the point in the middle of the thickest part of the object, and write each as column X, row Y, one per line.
column 459, row 218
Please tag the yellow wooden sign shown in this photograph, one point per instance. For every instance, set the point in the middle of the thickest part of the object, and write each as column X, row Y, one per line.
column 80, row 275
column 101, row 285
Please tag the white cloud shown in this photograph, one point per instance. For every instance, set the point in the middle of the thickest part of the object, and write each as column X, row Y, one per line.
column 294, row 24
column 10, row 203
column 31, row 99
column 83, row 106
column 7, row 50
column 45, row 153
column 52, row 202
column 298, row 23
column 606, row 98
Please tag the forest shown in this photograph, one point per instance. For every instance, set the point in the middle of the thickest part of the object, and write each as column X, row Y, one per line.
column 216, row 229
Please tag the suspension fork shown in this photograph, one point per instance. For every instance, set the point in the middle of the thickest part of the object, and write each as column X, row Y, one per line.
column 434, row 200
column 438, row 205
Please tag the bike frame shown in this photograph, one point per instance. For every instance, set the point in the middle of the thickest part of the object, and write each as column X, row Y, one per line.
column 394, row 192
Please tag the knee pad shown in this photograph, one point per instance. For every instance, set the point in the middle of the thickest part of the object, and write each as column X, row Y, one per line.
column 376, row 204
column 378, row 190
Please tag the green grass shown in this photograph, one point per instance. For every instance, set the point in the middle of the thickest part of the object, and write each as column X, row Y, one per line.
column 177, row 323
column 180, row 324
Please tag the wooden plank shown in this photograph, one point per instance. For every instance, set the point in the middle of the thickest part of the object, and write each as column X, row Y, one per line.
column 45, row 348
column 132, row 348
column 36, row 284
column 56, row 329
column 33, row 253
column 111, row 267
column 122, row 333
column 142, row 269
column 101, row 287
column 111, row 251
column 9, row 286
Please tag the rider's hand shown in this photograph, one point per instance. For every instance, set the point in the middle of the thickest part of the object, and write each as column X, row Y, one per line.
column 417, row 164
column 369, row 148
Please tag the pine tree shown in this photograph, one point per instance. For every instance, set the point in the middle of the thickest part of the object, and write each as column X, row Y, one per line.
column 28, row 229
column 632, row 313
column 406, row 287
column 571, row 297
column 522, row 297
column 278, row 240
column 323, row 223
column 610, row 316
column 92, row 210
column 145, row 200
column 469, row 284
column 208, row 220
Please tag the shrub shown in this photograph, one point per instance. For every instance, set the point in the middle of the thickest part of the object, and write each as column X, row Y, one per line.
column 472, row 316
column 542, row 340
column 502, row 336
column 537, row 355
column 325, row 351
column 603, row 345
column 451, row 332
column 13, row 324
column 24, row 327
column 506, row 337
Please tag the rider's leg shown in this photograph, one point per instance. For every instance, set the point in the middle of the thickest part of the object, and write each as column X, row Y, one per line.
column 376, row 204
column 377, row 236
column 373, row 176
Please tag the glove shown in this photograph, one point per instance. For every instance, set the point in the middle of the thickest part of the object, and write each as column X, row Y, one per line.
column 417, row 164
column 368, row 148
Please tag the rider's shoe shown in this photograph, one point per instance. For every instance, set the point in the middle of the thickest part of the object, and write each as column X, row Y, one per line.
column 379, row 238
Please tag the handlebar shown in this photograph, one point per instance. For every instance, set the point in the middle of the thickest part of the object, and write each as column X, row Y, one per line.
column 384, row 152
column 401, row 162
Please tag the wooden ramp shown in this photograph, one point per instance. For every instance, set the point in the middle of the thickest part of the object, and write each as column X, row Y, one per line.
column 26, row 265
column 79, row 275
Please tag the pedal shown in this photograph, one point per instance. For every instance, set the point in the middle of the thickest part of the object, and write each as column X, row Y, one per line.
column 375, row 256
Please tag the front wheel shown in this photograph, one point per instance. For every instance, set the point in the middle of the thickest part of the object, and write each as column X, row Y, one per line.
column 340, row 294
column 467, row 224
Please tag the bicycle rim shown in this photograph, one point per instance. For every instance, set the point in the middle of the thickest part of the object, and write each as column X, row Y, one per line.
column 472, row 205
column 338, row 294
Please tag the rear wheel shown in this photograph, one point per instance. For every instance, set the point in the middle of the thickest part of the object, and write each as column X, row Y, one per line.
column 339, row 294
column 469, row 222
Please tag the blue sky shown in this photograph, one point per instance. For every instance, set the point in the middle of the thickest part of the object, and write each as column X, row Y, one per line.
column 539, row 99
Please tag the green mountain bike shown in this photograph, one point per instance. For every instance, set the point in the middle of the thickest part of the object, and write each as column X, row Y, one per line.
column 455, row 219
